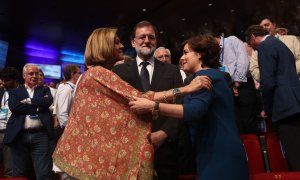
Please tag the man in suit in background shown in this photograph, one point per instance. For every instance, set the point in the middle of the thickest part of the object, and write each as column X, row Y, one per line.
column 9, row 77
column 163, row 54
column 30, row 126
column 280, row 89
column 290, row 41
column 147, row 73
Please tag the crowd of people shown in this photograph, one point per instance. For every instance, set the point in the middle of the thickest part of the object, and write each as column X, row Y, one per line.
column 146, row 118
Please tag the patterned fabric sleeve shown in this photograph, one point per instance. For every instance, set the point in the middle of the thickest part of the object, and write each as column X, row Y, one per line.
column 103, row 139
column 116, row 84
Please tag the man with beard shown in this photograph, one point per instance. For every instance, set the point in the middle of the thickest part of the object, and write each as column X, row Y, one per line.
column 147, row 73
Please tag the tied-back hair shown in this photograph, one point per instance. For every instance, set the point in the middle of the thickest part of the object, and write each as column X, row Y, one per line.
column 208, row 47
column 100, row 47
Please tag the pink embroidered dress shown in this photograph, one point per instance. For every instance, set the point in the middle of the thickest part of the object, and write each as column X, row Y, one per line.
column 104, row 139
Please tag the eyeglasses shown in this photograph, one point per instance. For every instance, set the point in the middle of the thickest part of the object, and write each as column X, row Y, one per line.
column 33, row 73
column 162, row 56
column 141, row 38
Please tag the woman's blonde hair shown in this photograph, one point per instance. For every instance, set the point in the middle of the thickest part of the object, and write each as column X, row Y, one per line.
column 100, row 47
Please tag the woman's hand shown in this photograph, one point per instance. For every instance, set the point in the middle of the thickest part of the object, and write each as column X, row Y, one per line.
column 198, row 83
column 141, row 105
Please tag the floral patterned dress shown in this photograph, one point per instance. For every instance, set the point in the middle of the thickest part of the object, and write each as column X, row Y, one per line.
column 103, row 138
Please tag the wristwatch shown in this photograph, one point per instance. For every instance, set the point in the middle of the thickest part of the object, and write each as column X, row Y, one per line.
column 176, row 92
column 155, row 112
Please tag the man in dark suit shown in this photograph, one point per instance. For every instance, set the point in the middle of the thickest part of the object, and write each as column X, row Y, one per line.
column 30, row 126
column 159, row 77
column 280, row 89
column 9, row 77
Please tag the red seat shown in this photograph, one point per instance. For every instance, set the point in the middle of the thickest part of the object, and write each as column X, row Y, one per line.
column 187, row 177
column 254, row 153
column 278, row 163
column 276, row 176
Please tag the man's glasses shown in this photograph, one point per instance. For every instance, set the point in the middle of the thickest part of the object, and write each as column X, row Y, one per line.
column 33, row 73
column 162, row 56
column 141, row 38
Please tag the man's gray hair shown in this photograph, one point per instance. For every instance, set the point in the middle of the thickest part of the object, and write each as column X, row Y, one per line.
column 159, row 48
column 28, row 65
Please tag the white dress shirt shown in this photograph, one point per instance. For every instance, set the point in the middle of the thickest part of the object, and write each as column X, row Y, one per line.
column 64, row 98
column 183, row 75
column 234, row 57
column 31, row 123
column 150, row 67
column 53, row 93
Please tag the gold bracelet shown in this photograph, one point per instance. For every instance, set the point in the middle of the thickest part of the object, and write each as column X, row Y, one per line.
column 165, row 97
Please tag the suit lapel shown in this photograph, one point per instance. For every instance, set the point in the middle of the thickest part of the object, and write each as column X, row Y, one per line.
column 37, row 91
column 270, row 37
column 24, row 92
column 157, row 73
column 1, row 93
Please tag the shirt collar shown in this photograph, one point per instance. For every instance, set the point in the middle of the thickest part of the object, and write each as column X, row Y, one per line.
column 265, row 37
column 221, row 42
column 277, row 35
column 71, row 84
column 27, row 87
column 150, row 61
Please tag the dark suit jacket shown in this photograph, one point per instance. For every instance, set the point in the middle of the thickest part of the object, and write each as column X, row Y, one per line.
column 279, row 82
column 1, row 94
column 42, row 99
column 165, row 77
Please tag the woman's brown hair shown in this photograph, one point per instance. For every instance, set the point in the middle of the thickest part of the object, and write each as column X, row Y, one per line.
column 208, row 47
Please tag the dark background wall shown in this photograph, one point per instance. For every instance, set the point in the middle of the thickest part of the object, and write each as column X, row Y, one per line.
column 66, row 25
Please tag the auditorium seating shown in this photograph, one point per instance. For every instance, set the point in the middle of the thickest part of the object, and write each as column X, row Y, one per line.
column 277, row 160
column 254, row 154
column 266, row 160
